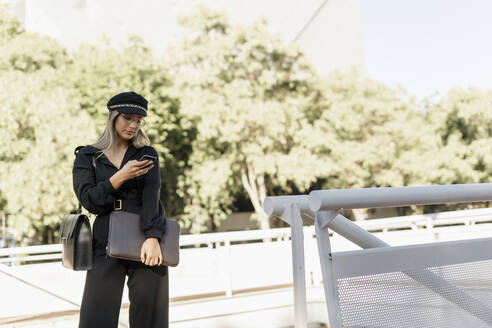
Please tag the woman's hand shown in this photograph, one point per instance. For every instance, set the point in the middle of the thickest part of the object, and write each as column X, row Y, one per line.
column 151, row 254
column 129, row 171
column 135, row 168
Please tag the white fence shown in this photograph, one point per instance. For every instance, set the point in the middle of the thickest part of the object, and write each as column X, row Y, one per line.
column 411, row 226
column 434, row 295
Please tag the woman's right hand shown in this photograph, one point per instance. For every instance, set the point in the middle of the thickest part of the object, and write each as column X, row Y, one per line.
column 129, row 171
column 135, row 168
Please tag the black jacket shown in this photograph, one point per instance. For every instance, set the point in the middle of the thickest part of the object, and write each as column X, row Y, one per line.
column 96, row 193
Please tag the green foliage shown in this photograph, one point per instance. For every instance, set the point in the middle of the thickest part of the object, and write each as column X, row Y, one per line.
column 99, row 72
column 26, row 52
column 10, row 26
column 234, row 114
column 54, row 103
column 246, row 92
column 39, row 129
column 463, row 123
column 370, row 135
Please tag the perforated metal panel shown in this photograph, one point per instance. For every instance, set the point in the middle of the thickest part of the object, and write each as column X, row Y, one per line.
column 396, row 299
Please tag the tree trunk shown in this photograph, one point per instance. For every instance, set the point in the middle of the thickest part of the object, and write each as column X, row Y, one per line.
column 196, row 227
column 255, row 187
column 213, row 226
column 359, row 213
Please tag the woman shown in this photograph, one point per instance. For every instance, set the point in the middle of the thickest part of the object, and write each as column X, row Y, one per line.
column 107, row 176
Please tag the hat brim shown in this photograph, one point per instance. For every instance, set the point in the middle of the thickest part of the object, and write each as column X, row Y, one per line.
column 131, row 110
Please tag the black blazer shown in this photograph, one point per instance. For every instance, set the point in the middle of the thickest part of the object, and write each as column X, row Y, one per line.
column 96, row 193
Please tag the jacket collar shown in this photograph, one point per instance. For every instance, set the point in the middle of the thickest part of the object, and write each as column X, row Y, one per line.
column 128, row 154
column 90, row 150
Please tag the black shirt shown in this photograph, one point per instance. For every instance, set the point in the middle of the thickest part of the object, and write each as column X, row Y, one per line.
column 95, row 192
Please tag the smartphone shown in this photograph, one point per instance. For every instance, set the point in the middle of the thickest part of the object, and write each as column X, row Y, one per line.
column 145, row 157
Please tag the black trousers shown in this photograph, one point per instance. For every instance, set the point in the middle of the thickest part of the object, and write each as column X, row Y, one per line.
column 148, row 289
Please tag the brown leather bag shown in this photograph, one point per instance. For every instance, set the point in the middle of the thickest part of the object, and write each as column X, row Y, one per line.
column 126, row 238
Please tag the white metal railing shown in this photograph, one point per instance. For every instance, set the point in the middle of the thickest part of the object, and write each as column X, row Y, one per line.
column 415, row 223
column 429, row 221
column 26, row 254
column 424, row 222
column 324, row 207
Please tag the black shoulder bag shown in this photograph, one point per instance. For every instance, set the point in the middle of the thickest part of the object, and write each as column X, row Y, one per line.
column 76, row 239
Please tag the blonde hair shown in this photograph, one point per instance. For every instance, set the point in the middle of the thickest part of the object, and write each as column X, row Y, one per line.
column 108, row 138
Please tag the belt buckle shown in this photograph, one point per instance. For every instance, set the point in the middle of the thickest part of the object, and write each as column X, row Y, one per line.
column 117, row 207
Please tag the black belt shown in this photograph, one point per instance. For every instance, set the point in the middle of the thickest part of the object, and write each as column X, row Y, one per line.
column 129, row 205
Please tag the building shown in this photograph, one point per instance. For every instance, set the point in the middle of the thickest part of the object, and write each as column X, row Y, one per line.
column 328, row 31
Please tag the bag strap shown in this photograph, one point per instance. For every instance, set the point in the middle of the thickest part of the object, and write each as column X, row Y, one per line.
column 79, row 210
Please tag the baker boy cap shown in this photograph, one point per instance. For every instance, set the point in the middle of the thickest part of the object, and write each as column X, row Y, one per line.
column 128, row 103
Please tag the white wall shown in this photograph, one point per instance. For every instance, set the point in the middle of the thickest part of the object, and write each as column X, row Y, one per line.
column 329, row 32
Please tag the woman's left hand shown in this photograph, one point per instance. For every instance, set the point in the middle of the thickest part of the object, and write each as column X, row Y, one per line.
column 151, row 254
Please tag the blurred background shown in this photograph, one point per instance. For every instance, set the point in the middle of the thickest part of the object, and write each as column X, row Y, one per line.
column 246, row 100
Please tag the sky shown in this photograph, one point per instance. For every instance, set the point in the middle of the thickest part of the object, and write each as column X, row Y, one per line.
column 428, row 46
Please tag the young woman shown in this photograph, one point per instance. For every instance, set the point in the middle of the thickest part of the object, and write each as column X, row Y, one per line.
column 107, row 176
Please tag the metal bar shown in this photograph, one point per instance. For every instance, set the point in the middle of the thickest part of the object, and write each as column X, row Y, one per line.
column 31, row 249
column 56, row 256
column 410, row 257
column 276, row 205
column 322, row 200
column 353, row 232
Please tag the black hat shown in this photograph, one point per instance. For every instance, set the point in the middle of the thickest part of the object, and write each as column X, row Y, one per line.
column 128, row 103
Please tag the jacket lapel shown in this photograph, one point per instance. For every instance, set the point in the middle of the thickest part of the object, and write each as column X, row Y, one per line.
column 128, row 155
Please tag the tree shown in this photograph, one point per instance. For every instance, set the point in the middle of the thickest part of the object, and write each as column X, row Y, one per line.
column 10, row 26
column 374, row 134
column 40, row 128
column 99, row 72
column 54, row 102
column 370, row 135
column 247, row 93
column 26, row 52
column 463, row 123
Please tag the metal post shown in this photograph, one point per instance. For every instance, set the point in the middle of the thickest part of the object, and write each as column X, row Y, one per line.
column 312, row 276
column 290, row 210
column 227, row 256
column 298, row 265
column 329, row 284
